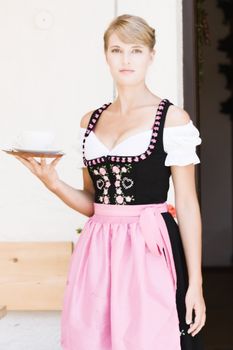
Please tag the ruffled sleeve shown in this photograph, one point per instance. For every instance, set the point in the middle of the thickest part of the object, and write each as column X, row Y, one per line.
column 180, row 144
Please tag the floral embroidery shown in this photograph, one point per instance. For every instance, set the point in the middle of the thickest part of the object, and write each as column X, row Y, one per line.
column 103, row 183
column 121, row 182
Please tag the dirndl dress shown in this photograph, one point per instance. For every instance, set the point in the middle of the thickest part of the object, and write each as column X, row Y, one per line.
column 127, row 276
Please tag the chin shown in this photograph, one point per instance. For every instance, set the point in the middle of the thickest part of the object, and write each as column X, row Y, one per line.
column 127, row 81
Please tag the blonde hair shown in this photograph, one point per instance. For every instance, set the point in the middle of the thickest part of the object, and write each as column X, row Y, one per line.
column 130, row 29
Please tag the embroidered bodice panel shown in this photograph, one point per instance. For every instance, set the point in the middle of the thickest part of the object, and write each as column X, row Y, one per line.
column 134, row 177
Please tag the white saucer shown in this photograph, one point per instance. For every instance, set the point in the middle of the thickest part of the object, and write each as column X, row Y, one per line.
column 41, row 150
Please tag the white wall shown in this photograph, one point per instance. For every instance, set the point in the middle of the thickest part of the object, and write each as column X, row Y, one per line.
column 49, row 79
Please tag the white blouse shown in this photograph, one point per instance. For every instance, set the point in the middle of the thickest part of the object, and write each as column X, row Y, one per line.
column 179, row 143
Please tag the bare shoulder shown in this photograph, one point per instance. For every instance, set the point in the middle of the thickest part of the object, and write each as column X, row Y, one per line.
column 85, row 119
column 176, row 116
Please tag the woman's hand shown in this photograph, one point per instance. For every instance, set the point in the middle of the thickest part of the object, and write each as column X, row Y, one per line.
column 77, row 199
column 45, row 172
column 194, row 301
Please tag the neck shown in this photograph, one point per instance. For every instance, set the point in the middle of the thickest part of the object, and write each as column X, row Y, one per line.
column 129, row 97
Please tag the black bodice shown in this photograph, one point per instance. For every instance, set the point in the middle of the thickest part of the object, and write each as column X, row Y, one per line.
column 141, row 179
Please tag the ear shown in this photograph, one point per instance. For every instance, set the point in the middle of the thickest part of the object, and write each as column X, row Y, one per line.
column 152, row 55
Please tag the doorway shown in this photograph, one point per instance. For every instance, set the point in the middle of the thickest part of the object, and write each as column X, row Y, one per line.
column 206, row 92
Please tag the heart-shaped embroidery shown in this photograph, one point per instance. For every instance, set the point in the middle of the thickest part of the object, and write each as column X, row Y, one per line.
column 100, row 184
column 127, row 183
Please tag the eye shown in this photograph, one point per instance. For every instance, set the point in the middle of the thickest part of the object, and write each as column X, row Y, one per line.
column 137, row 51
column 115, row 50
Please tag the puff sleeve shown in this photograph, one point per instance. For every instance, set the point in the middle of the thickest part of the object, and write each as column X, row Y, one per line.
column 180, row 144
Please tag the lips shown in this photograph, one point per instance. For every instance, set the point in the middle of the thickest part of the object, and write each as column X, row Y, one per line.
column 126, row 70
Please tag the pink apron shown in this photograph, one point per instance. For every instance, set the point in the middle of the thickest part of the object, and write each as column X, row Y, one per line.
column 121, row 285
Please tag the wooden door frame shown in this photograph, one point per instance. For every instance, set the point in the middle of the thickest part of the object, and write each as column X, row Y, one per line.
column 190, row 71
column 190, row 76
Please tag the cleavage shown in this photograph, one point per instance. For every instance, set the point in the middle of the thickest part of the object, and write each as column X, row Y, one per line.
column 118, row 143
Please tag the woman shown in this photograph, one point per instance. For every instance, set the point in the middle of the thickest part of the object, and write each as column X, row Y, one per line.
column 135, row 278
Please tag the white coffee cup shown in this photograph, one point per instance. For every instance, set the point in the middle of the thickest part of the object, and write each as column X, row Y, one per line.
column 33, row 139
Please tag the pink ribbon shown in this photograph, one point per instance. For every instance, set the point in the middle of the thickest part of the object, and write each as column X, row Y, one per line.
column 156, row 235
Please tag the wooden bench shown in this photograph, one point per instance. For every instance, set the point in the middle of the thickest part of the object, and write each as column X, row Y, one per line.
column 33, row 275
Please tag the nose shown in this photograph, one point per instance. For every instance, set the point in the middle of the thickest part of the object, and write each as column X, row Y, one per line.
column 126, row 58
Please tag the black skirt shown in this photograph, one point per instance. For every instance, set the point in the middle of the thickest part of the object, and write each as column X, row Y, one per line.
column 188, row 342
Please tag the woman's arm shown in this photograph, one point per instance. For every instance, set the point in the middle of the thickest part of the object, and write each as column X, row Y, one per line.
column 190, row 226
column 78, row 199
column 189, row 221
column 186, row 203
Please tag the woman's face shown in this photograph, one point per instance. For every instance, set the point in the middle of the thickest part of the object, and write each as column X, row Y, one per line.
column 128, row 63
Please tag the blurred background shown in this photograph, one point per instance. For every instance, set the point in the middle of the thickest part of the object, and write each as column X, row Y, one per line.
column 53, row 70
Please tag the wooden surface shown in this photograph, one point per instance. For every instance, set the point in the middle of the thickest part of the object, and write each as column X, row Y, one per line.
column 33, row 274
column 3, row 311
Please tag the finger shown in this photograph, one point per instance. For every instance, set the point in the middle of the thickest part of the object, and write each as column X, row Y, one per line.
column 197, row 320
column 55, row 161
column 189, row 309
column 28, row 158
column 20, row 157
column 35, row 165
column 25, row 162
column 199, row 327
column 33, row 161
column 43, row 161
